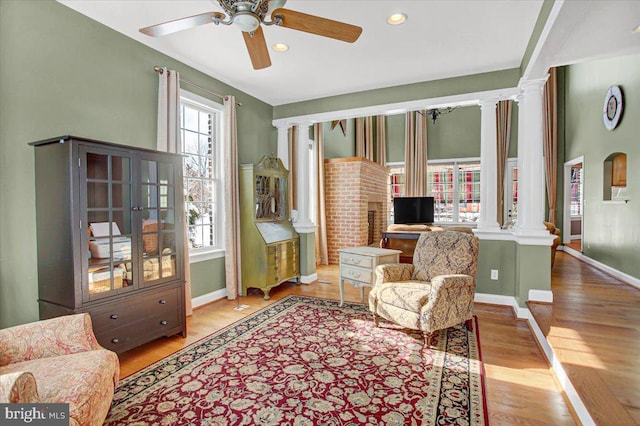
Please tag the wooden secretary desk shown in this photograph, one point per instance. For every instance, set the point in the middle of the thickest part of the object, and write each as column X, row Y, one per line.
column 269, row 243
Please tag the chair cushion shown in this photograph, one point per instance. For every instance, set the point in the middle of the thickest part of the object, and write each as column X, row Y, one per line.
column 408, row 295
column 85, row 380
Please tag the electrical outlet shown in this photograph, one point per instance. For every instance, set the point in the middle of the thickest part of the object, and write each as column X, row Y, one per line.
column 494, row 274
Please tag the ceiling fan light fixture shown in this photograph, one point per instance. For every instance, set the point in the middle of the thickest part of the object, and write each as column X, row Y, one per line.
column 246, row 21
column 280, row 47
column 397, row 18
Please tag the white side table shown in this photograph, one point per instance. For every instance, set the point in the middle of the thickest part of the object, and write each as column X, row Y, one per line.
column 358, row 265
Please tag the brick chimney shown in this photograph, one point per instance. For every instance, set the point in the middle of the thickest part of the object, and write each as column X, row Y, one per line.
column 354, row 187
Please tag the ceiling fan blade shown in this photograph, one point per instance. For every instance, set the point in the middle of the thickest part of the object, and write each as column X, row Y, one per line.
column 181, row 24
column 317, row 25
column 257, row 47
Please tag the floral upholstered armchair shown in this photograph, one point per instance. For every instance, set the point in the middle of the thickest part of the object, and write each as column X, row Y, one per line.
column 436, row 291
column 59, row 361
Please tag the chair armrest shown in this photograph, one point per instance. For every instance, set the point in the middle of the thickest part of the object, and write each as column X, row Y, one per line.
column 42, row 339
column 393, row 272
column 18, row 387
column 450, row 301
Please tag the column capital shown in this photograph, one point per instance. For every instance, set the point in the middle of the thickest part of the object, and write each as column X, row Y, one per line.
column 528, row 86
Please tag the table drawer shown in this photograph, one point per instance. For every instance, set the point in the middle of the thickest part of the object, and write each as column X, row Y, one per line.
column 356, row 260
column 357, row 274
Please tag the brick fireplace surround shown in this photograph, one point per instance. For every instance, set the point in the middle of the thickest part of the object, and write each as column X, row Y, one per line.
column 353, row 187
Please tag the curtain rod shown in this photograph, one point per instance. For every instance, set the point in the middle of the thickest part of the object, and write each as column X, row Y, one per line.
column 182, row 80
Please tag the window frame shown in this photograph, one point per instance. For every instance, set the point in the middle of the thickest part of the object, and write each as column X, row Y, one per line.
column 217, row 110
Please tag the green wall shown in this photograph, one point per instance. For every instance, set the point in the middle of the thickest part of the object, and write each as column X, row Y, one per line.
column 66, row 74
column 338, row 144
column 611, row 232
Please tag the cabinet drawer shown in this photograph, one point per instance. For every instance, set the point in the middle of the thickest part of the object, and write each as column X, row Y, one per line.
column 123, row 338
column 357, row 274
column 129, row 310
column 356, row 260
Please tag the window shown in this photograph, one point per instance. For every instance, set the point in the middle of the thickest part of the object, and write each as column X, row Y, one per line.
column 202, row 146
column 454, row 184
column 456, row 188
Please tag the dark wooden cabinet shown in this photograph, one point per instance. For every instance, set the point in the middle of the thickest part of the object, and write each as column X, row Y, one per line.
column 403, row 241
column 110, row 238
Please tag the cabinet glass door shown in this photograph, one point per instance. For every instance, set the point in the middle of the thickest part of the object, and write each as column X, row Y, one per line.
column 160, row 233
column 107, row 195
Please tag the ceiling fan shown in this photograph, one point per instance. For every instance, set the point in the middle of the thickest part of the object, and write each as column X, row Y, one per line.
column 249, row 15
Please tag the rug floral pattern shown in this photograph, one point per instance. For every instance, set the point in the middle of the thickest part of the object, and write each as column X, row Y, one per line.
column 307, row 361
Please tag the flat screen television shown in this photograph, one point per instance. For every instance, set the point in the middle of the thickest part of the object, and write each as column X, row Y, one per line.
column 408, row 210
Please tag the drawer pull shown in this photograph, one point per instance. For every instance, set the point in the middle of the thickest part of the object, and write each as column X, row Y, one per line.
column 114, row 316
column 355, row 274
column 162, row 302
column 163, row 322
column 115, row 340
column 355, row 261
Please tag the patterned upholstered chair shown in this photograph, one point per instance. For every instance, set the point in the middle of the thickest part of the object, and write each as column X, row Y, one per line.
column 436, row 291
column 59, row 361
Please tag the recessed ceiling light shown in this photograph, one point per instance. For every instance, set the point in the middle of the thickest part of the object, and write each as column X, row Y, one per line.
column 280, row 47
column 396, row 19
column 637, row 29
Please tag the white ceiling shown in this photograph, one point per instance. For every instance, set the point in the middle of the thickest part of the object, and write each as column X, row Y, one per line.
column 440, row 39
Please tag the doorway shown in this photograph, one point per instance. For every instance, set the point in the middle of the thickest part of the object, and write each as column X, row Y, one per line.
column 573, row 203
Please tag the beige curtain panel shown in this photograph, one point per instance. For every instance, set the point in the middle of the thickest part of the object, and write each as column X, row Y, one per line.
column 415, row 155
column 550, row 117
column 232, row 256
column 322, row 255
column 503, row 139
column 381, row 139
column 364, row 138
column 169, row 140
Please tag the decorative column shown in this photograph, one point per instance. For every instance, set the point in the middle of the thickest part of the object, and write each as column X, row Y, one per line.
column 488, row 167
column 304, row 225
column 283, row 145
column 531, row 186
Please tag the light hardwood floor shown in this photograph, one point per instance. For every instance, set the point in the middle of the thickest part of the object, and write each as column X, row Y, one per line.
column 520, row 388
column 592, row 327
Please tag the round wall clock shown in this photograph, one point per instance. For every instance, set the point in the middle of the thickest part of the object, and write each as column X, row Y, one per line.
column 612, row 110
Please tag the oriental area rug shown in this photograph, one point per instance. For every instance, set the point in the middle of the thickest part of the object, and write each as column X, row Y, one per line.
column 308, row 361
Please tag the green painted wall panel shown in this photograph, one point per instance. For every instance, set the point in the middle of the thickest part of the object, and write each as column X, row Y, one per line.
column 532, row 265
column 338, row 144
column 67, row 74
column 611, row 232
column 307, row 254
column 500, row 255
column 207, row 277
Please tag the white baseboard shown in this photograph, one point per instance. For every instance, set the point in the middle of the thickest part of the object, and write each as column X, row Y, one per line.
column 604, row 268
column 545, row 296
column 307, row 279
column 498, row 299
column 196, row 302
